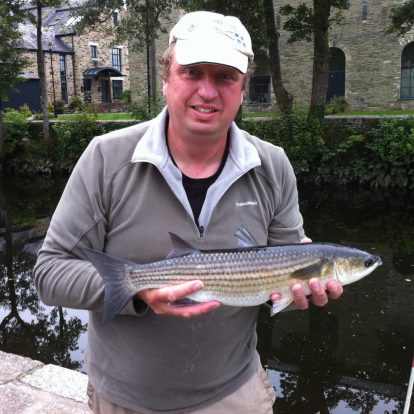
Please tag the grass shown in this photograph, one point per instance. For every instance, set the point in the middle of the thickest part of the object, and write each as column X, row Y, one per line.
column 100, row 117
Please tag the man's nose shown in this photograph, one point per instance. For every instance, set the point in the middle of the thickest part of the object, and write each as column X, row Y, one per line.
column 208, row 88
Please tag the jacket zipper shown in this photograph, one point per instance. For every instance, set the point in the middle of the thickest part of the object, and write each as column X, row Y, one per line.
column 201, row 231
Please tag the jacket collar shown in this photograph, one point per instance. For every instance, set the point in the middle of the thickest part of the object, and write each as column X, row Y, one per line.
column 152, row 146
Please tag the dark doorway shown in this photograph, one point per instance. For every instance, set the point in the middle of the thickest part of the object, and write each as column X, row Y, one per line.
column 336, row 78
column 105, row 90
column 87, row 94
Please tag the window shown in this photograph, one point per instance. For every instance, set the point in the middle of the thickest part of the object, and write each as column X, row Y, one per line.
column 117, row 89
column 116, row 58
column 365, row 12
column 259, row 90
column 63, row 78
column 115, row 18
column 407, row 72
column 94, row 52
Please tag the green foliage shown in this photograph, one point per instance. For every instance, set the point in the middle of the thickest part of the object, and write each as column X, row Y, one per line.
column 25, row 110
column 336, row 105
column 126, row 96
column 16, row 130
column 143, row 22
column 402, row 18
column 380, row 154
column 72, row 138
column 144, row 111
column 76, row 104
column 11, row 56
column 300, row 137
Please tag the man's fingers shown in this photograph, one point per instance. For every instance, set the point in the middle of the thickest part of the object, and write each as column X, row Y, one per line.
column 172, row 293
column 299, row 297
column 334, row 289
column 319, row 296
column 159, row 300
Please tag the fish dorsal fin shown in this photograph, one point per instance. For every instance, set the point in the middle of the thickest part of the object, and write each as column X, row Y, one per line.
column 317, row 270
column 244, row 238
column 180, row 247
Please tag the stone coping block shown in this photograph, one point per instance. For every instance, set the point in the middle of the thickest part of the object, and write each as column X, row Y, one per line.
column 13, row 367
column 60, row 381
column 31, row 387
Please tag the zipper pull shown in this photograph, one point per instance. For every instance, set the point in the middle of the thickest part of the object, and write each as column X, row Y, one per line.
column 201, row 231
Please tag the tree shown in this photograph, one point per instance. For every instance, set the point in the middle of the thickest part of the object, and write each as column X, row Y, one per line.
column 37, row 19
column 265, row 43
column 306, row 23
column 402, row 18
column 139, row 26
column 12, row 60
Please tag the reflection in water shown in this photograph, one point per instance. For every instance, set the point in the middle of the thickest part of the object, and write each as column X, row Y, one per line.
column 28, row 328
column 352, row 356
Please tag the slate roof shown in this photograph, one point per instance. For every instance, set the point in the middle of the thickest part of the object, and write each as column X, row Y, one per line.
column 56, row 24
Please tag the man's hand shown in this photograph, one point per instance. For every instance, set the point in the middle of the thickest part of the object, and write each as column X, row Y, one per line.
column 319, row 296
column 159, row 300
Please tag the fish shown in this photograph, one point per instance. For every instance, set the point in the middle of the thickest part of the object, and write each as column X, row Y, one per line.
column 243, row 276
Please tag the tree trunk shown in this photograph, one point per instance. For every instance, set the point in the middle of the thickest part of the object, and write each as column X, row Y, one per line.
column 320, row 58
column 42, row 75
column 283, row 97
column 2, row 138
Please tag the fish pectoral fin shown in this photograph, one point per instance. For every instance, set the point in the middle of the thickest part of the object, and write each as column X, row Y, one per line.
column 280, row 304
column 180, row 247
column 184, row 302
column 314, row 270
column 244, row 238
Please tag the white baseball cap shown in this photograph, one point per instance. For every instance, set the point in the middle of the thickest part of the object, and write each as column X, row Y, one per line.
column 206, row 37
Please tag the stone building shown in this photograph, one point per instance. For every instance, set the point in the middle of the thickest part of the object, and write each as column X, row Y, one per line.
column 86, row 66
column 368, row 67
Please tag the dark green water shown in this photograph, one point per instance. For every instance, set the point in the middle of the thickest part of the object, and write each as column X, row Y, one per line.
column 352, row 356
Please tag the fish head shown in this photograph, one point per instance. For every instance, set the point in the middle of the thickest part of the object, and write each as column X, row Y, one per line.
column 353, row 267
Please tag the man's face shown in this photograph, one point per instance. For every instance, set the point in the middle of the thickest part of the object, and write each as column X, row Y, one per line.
column 202, row 99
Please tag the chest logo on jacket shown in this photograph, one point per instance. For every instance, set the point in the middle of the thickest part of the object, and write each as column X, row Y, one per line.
column 246, row 203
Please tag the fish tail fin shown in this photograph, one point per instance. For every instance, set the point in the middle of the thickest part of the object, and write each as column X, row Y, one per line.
column 112, row 270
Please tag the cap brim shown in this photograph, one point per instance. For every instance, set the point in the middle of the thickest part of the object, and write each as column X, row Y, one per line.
column 190, row 53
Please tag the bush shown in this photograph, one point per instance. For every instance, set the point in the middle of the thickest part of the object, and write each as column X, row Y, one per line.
column 142, row 111
column 72, row 138
column 76, row 104
column 300, row 137
column 126, row 96
column 337, row 105
column 16, row 131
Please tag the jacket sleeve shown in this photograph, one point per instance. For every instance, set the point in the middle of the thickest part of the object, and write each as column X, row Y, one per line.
column 287, row 223
column 62, row 275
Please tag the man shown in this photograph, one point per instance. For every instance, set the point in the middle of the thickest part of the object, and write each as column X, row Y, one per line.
column 190, row 171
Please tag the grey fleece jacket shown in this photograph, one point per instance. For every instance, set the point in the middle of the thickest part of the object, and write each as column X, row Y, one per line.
column 123, row 197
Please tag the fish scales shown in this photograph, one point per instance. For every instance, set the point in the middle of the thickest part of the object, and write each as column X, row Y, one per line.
column 244, row 276
column 231, row 272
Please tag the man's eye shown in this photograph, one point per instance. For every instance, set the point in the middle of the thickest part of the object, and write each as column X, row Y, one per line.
column 227, row 77
column 191, row 72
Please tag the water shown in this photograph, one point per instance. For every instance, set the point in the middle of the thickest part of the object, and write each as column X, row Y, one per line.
column 352, row 356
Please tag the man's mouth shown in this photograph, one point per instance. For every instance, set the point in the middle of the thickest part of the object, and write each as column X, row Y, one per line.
column 204, row 110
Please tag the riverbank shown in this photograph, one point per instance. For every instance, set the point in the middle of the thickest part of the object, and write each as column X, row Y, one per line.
column 31, row 387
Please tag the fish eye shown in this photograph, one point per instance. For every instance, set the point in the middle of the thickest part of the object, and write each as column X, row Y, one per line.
column 369, row 261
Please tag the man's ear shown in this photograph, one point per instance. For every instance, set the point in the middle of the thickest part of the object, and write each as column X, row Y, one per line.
column 164, row 88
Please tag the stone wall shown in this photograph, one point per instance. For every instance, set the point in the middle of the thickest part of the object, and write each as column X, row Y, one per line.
column 138, row 63
column 373, row 58
column 80, row 60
